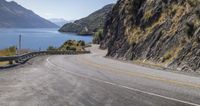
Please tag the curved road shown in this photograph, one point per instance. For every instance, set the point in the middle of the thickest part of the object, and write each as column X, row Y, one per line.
column 92, row 80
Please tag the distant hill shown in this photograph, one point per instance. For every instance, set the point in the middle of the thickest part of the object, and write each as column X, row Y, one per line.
column 13, row 15
column 59, row 21
column 89, row 24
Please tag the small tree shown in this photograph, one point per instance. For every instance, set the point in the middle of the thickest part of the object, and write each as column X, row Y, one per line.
column 81, row 43
column 51, row 48
column 68, row 48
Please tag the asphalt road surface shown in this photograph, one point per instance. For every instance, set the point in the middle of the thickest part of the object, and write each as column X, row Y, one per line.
column 92, row 80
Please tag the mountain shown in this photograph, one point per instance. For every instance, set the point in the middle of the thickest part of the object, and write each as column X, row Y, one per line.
column 59, row 21
column 15, row 16
column 89, row 24
column 158, row 32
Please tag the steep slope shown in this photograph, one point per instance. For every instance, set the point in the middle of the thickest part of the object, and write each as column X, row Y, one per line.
column 15, row 16
column 89, row 24
column 164, row 32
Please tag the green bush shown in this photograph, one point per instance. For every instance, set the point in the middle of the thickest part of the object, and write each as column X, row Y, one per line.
column 51, row 48
column 70, row 48
column 98, row 36
column 81, row 43
column 72, row 45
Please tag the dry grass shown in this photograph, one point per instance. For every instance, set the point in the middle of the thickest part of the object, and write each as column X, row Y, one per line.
column 179, row 11
column 148, row 14
column 8, row 52
column 196, row 21
column 4, row 63
column 171, row 54
column 135, row 34
column 138, row 35
column 193, row 2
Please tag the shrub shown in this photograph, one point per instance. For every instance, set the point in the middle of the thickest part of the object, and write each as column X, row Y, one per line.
column 72, row 45
column 51, row 48
column 81, row 43
column 98, row 36
column 167, row 57
column 70, row 48
column 193, row 2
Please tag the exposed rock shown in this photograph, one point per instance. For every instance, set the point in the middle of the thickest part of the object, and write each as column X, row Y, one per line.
column 161, row 31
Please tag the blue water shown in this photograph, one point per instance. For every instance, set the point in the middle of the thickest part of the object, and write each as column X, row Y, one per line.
column 36, row 39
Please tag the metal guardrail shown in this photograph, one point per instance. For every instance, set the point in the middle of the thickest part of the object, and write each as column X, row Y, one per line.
column 25, row 57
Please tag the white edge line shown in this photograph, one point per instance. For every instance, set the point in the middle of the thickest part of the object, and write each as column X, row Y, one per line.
column 122, row 86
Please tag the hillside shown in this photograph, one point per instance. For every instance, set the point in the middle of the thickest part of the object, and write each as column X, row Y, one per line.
column 15, row 16
column 161, row 32
column 89, row 24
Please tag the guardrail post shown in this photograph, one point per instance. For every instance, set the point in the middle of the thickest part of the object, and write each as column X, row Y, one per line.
column 16, row 61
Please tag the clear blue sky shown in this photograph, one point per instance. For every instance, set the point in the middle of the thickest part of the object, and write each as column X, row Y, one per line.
column 67, row 9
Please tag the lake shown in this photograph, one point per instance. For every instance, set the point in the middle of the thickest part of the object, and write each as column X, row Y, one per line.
column 36, row 39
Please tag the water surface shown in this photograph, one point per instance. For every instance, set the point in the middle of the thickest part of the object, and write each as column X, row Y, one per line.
column 36, row 39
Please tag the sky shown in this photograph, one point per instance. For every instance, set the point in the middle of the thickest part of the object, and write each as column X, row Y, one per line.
column 66, row 9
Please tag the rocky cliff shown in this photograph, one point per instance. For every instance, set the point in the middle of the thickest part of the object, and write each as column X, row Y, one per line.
column 89, row 24
column 13, row 15
column 164, row 32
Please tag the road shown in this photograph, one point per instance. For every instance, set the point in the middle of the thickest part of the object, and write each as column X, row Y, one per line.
column 92, row 80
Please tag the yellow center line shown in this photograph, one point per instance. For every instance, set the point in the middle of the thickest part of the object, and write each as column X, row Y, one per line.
column 148, row 76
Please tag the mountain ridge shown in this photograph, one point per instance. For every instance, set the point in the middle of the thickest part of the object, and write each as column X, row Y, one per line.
column 89, row 24
column 14, row 15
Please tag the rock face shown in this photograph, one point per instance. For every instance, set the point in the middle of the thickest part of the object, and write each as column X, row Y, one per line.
column 89, row 24
column 13, row 15
column 164, row 32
